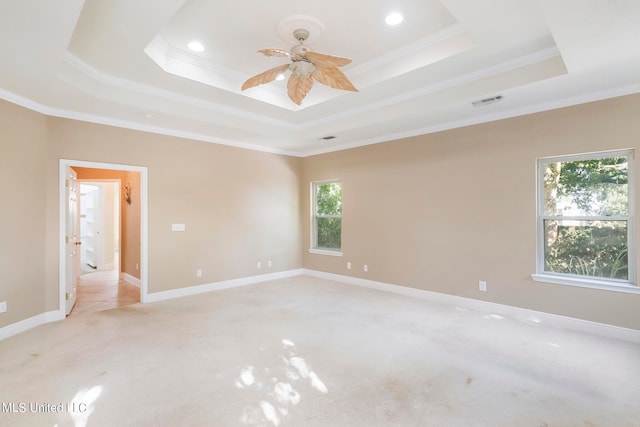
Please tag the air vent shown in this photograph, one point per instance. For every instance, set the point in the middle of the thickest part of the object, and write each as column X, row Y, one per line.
column 328, row 137
column 487, row 101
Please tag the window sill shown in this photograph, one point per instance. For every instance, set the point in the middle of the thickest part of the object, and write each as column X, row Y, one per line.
column 605, row 285
column 325, row 252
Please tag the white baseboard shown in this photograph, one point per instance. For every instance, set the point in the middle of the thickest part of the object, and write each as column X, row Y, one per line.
column 585, row 326
column 30, row 323
column 53, row 316
column 579, row 325
column 218, row 286
column 130, row 279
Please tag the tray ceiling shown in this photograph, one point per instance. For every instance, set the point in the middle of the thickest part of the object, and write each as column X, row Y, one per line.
column 128, row 64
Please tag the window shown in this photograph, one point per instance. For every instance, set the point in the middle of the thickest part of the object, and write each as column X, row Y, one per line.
column 326, row 217
column 585, row 218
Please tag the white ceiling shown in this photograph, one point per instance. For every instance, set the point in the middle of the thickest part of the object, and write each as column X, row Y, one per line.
column 126, row 63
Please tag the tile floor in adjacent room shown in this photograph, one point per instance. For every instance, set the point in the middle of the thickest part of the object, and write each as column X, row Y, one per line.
column 103, row 290
column 304, row 351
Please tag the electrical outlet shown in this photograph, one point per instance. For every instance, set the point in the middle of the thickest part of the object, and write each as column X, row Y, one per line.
column 269, row 263
column 366, row 268
column 482, row 285
column 348, row 266
column 259, row 265
column 199, row 272
column 3, row 306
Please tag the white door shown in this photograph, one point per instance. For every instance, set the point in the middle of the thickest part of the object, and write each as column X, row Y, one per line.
column 98, row 239
column 72, row 239
column 110, row 224
column 90, row 225
column 99, row 224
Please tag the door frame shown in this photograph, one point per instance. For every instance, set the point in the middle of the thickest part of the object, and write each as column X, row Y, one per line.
column 144, row 223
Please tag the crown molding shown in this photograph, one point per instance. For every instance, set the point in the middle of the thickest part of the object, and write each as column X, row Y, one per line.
column 130, row 85
column 487, row 72
column 547, row 106
column 503, row 67
column 102, row 120
column 486, row 118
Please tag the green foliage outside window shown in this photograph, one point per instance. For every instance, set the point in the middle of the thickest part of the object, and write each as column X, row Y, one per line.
column 597, row 250
column 586, row 210
column 328, row 215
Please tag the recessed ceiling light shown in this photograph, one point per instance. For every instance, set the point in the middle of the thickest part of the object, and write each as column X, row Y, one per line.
column 394, row 18
column 196, row 46
column 280, row 77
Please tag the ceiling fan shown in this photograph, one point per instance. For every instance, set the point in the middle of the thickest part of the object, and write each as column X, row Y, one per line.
column 305, row 66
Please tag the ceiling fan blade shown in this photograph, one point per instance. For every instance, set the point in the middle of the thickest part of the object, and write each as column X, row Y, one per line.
column 298, row 88
column 324, row 60
column 265, row 77
column 333, row 77
column 275, row 52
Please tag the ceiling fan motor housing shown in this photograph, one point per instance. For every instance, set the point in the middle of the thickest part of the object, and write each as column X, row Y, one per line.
column 299, row 50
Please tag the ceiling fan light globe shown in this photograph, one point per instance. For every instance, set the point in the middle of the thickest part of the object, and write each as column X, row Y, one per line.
column 302, row 69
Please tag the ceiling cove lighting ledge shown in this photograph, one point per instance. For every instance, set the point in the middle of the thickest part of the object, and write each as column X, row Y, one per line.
column 441, row 45
column 196, row 102
column 74, row 115
column 485, row 118
column 453, row 33
column 169, row 58
column 527, row 60
column 103, row 78
column 127, row 124
column 181, row 63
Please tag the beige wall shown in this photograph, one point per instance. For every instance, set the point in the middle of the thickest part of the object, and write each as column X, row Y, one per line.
column 442, row 211
column 23, row 142
column 130, row 226
column 129, row 215
column 436, row 212
column 239, row 206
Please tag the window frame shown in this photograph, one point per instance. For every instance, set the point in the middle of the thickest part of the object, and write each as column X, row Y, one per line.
column 314, row 249
column 541, row 275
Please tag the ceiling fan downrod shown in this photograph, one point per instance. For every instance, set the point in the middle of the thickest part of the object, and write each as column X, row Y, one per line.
column 299, row 51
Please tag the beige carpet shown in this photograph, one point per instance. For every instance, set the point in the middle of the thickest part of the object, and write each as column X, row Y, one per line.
column 310, row 352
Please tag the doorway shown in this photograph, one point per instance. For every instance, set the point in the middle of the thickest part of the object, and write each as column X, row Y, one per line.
column 99, row 284
column 110, row 254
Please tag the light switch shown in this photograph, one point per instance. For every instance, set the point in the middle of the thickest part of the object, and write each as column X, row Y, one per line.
column 178, row 227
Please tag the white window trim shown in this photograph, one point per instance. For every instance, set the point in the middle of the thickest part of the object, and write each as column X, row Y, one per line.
column 325, row 252
column 582, row 281
column 314, row 249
